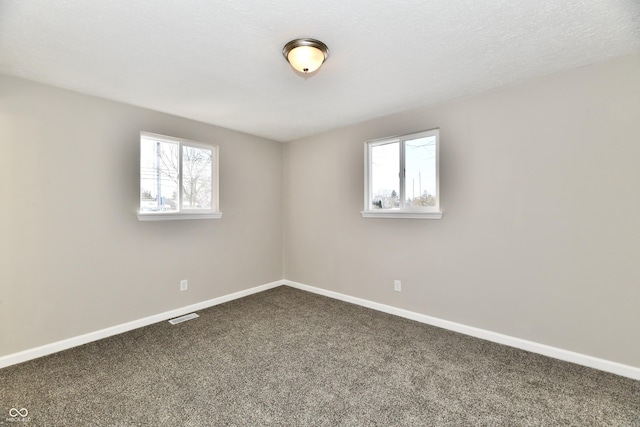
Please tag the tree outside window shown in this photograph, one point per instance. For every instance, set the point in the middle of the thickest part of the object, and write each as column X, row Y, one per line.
column 176, row 175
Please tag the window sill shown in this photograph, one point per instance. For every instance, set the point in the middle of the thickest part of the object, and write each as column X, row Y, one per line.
column 176, row 216
column 401, row 214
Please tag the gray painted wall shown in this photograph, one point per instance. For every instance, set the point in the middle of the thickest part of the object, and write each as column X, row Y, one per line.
column 540, row 237
column 73, row 256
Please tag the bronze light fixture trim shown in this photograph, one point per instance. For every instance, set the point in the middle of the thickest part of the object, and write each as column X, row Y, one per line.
column 305, row 55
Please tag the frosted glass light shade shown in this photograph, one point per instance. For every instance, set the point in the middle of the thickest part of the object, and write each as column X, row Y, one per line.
column 305, row 55
column 306, row 59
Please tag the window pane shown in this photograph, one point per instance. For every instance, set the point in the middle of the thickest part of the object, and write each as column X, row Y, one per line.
column 385, row 177
column 196, row 177
column 420, row 171
column 158, row 176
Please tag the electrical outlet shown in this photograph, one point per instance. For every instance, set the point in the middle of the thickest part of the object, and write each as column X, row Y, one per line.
column 184, row 285
column 397, row 285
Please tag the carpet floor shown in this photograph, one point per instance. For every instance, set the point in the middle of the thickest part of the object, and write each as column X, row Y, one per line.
column 291, row 358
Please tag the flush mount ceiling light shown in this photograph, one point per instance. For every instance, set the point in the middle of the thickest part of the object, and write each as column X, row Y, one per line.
column 305, row 55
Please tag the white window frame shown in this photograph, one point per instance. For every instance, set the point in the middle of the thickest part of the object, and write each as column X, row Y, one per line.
column 412, row 212
column 183, row 213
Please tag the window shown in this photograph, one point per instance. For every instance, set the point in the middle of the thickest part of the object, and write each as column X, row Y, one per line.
column 401, row 177
column 178, row 179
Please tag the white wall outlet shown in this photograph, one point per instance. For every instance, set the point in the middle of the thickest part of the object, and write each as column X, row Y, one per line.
column 397, row 285
column 184, row 285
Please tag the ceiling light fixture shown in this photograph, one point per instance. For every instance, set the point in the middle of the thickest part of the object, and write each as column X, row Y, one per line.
column 305, row 55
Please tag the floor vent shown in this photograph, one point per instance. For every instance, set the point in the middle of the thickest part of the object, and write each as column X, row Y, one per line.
column 183, row 318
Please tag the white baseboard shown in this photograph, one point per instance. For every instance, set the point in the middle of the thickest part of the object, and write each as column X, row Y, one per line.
column 554, row 352
column 34, row 353
column 545, row 350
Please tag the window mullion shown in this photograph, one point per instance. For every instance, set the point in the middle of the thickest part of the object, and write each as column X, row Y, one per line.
column 180, row 195
column 401, row 174
column 369, row 177
column 215, row 167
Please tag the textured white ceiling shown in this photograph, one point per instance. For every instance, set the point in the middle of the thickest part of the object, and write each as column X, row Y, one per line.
column 220, row 61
